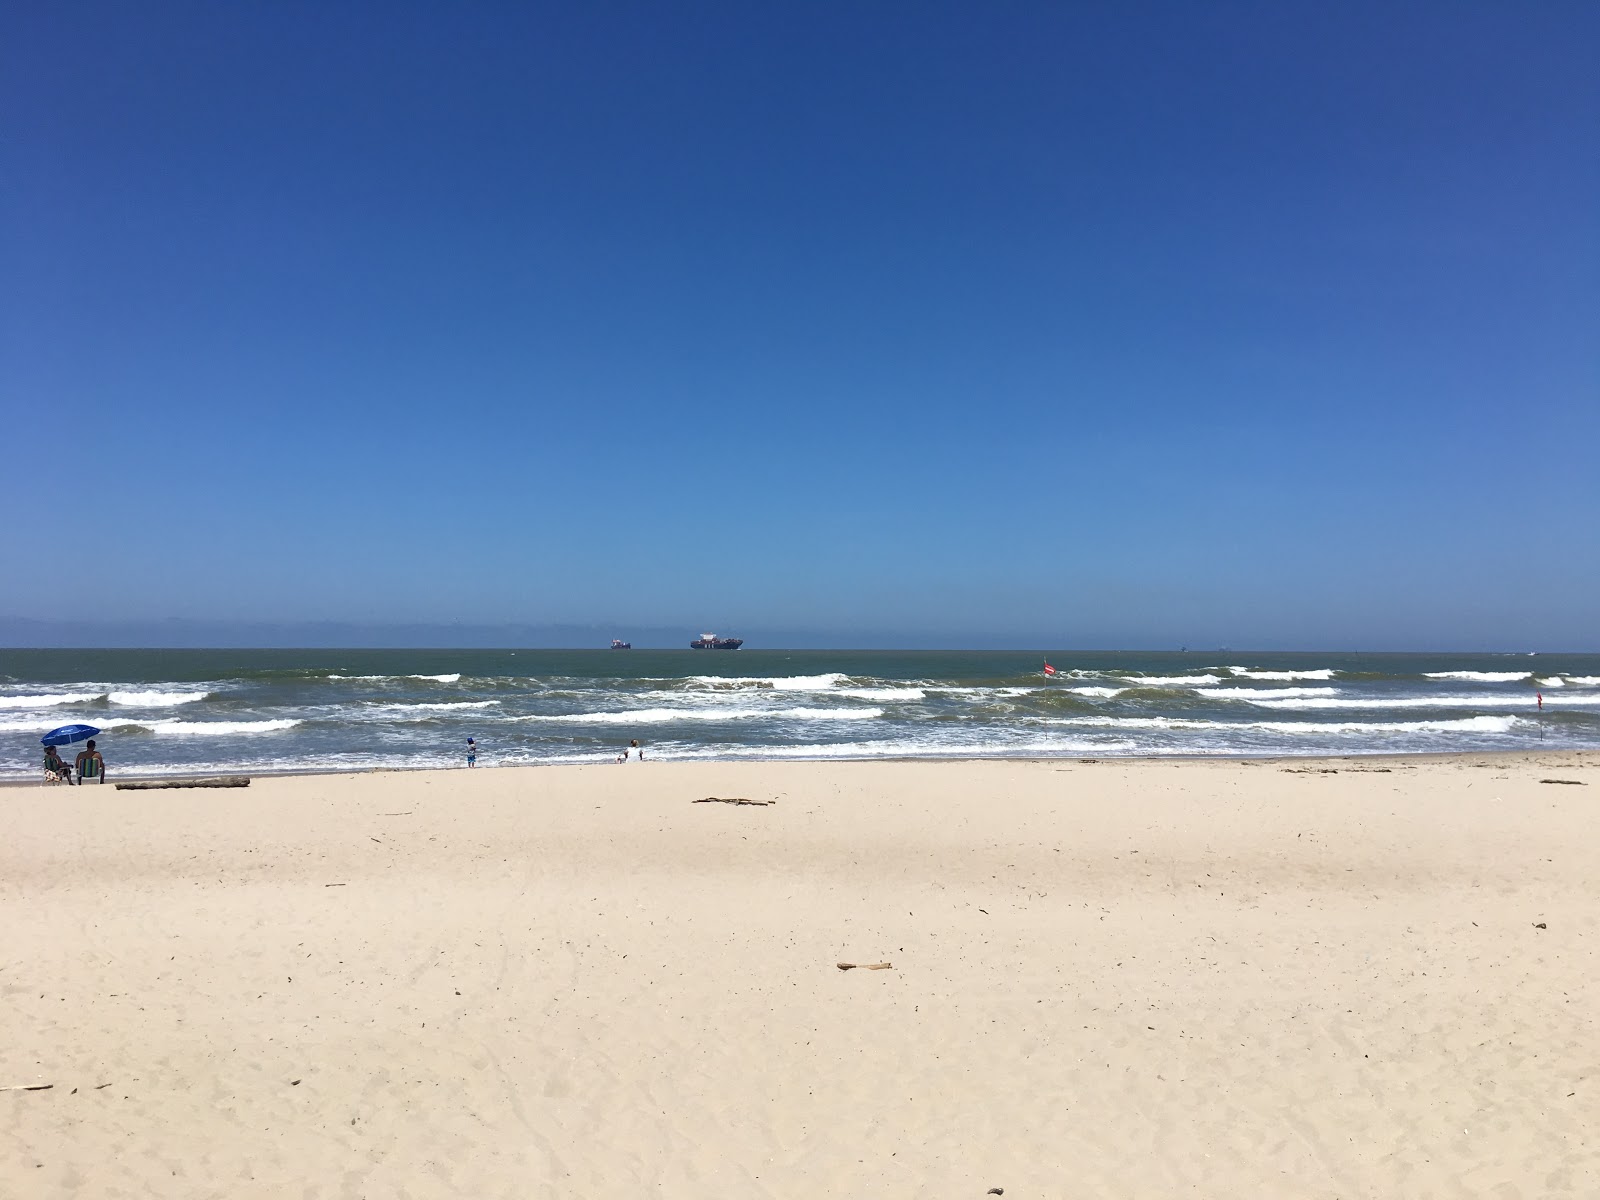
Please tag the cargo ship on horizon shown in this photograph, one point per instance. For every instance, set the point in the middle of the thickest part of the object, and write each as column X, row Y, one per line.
column 710, row 641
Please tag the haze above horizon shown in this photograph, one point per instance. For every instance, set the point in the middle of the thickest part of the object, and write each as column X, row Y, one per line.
column 1266, row 325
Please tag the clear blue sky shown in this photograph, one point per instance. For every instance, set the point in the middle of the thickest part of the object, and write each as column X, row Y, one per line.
column 1265, row 324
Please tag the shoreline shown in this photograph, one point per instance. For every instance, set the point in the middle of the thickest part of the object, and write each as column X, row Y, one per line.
column 1417, row 758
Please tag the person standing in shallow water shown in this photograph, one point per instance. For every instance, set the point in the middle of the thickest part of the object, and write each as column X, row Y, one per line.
column 472, row 753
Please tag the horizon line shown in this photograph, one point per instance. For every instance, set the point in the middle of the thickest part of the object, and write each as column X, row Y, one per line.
column 1031, row 649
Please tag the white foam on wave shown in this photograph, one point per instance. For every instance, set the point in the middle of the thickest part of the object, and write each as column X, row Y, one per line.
column 48, row 699
column 38, row 723
column 1260, row 694
column 734, row 696
column 1445, row 725
column 216, row 728
column 1584, row 680
column 1487, row 700
column 777, row 683
column 908, row 748
column 1172, row 680
column 1552, row 682
column 156, row 699
column 881, row 693
column 439, row 706
column 456, row 678
column 1280, row 676
column 665, row 716
column 1479, row 676
column 43, row 725
column 806, row 683
column 1100, row 692
column 830, row 683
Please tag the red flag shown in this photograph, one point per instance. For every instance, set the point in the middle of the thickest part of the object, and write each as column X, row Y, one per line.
column 1048, row 669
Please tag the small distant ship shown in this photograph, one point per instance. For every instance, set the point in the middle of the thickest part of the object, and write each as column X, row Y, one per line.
column 619, row 644
column 710, row 641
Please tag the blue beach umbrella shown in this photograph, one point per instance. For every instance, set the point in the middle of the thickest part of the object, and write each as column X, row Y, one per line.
column 68, row 734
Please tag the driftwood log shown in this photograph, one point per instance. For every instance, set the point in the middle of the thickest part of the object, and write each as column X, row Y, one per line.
column 214, row 781
column 865, row 966
column 733, row 800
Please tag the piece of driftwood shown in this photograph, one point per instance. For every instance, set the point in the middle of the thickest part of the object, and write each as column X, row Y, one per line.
column 213, row 781
column 733, row 800
column 28, row 1087
column 1572, row 782
column 865, row 966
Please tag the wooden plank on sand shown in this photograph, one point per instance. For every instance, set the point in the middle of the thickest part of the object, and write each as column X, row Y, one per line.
column 213, row 781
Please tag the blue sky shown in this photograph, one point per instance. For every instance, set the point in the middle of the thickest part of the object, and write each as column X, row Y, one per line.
column 1257, row 324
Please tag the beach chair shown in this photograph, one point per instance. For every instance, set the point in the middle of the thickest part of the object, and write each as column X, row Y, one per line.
column 57, row 774
column 92, row 770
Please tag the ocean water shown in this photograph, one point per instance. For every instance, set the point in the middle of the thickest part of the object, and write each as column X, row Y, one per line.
column 187, row 711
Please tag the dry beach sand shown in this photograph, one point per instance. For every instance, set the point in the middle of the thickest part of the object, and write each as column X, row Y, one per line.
column 1372, row 978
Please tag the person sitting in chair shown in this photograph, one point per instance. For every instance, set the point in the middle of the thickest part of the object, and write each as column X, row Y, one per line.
column 55, row 771
column 90, row 765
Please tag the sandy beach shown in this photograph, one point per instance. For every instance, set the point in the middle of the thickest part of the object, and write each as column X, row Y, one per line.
column 1341, row 978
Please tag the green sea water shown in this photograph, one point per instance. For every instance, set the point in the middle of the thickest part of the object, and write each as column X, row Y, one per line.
column 183, row 711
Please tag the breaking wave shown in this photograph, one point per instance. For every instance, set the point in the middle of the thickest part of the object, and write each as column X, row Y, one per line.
column 1487, row 700
column 1461, row 725
column 1280, row 676
column 440, row 706
column 1261, row 694
column 217, row 728
column 155, row 699
column 48, row 699
column 662, row 716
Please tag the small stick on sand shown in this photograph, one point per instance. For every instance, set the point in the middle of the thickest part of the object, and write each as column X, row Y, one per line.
column 865, row 966
column 28, row 1087
column 733, row 800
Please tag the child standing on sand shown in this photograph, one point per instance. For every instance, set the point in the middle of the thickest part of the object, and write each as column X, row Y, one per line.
column 472, row 753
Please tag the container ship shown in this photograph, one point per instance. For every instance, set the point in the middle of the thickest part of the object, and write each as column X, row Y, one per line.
column 710, row 641
column 619, row 644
